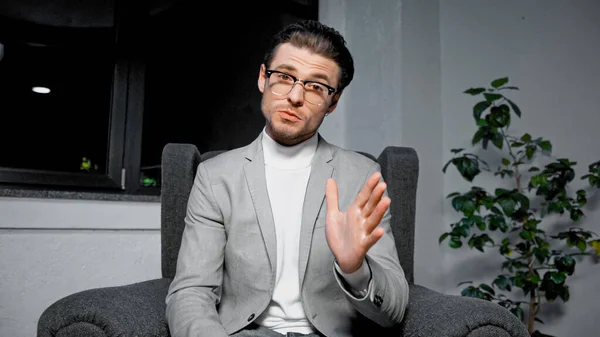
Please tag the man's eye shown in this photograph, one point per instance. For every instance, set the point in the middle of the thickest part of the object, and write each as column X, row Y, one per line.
column 316, row 87
column 285, row 77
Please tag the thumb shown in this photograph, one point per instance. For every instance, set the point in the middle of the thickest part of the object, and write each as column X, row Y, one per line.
column 331, row 195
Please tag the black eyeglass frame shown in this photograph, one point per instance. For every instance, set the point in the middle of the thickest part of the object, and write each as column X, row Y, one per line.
column 331, row 90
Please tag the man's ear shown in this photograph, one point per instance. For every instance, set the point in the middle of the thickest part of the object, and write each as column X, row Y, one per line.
column 334, row 101
column 262, row 78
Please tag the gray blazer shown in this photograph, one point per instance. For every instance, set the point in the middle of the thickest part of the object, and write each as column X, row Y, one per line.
column 226, row 264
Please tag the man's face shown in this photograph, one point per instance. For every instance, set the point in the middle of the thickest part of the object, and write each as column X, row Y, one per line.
column 290, row 118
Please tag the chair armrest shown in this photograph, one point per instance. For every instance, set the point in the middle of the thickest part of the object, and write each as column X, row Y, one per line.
column 132, row 310
column 430, row 313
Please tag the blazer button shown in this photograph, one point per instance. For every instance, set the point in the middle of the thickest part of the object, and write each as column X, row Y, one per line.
column 251, row 317
column 378, row 300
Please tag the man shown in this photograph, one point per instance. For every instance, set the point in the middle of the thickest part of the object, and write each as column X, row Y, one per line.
column 289, row 235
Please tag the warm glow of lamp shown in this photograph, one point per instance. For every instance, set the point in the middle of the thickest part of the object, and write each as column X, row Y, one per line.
column 41, row 90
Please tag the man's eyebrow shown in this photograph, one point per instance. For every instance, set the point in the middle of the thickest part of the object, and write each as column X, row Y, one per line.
column 289, row 67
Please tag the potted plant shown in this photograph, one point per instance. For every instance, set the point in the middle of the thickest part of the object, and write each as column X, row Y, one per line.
column 514, row 221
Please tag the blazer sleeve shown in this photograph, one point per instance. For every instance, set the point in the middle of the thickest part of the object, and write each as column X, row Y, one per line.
column 196, row 288
column 387, row 293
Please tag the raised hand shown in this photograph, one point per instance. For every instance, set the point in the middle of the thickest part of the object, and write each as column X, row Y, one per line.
column 352, row 233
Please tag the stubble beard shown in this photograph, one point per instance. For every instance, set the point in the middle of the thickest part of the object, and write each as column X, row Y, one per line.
column 283, row 132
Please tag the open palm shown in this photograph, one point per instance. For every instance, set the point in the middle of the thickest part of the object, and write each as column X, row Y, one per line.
column 352, row 233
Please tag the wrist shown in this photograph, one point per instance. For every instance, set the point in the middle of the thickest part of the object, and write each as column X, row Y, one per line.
column 349, row 268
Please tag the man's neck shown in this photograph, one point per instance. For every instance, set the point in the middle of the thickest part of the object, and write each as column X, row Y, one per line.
column 289, row 157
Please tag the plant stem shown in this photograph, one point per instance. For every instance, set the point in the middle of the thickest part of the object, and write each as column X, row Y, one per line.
column 532, row 303
column 532, row 299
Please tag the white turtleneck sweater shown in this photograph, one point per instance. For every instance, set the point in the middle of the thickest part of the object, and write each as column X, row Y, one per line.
column 287, row 170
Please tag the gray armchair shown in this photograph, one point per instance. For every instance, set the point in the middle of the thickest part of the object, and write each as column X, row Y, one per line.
column 139, row 309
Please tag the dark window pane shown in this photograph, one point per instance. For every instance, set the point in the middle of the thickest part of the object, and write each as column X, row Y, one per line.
column 55, row 131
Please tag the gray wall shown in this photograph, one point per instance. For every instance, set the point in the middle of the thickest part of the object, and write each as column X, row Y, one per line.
column 424, row 54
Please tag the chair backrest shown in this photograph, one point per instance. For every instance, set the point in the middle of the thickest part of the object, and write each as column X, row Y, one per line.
column 399, row 168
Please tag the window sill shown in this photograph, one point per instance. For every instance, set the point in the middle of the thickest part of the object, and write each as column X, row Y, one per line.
column 79, row 195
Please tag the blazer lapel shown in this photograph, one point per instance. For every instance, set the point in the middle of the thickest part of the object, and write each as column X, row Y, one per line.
column 313, row 201
column 257, row 184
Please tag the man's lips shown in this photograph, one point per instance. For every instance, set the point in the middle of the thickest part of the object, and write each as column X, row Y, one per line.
column 289, row 115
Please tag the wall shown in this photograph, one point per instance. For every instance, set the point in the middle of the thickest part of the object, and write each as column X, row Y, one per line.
column 550, row 50
column 437, row 49
column 394, row 99
column 52, row 248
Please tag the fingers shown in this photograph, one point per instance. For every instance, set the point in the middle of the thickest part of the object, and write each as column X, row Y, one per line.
column 375, row 218
column 374, row 199
column 331, row 195
column 365, row 193
column 374, row 237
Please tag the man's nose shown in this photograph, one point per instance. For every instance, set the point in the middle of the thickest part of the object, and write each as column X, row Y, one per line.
column 296, row 95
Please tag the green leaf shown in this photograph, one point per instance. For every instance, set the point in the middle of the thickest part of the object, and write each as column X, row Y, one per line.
column 508, row 206
column 505, row 162
column 455, row 243
column 503, row 283
column 457, row 203
column 487, row 288
column 558, row 277
column 526, row 137
column 455, row 151
column 576, row 214
column 497, row 83
column 497, row 222
column 446, row 165
column 469, row 208
column 492, row 97
column 474, row 91
column 478, row 135
column 479, row 108
column 501, row 192
column 497, row 140
column 565, row 264
column 581, row 245
column 514, row 107
column 546, row 145
column 500, row 116
column 541, row 254
column 530, row 151
column 527, row 235
column 467, row 167
column 443, row 237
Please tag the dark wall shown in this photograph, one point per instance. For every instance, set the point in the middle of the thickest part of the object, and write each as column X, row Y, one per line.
column 202, row 73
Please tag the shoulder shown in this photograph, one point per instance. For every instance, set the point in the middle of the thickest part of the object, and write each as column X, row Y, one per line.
column 351, row 157
column 224, row 163
column 352, row 163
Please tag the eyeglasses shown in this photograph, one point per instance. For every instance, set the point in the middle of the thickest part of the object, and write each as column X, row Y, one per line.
column 281, row 84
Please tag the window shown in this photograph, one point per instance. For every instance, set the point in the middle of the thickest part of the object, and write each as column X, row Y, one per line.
column 58, row 112
column 174, row 72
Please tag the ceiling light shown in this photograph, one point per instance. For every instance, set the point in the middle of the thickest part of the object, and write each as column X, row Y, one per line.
column 41, row 90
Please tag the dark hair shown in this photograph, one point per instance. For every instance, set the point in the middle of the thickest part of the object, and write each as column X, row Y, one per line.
column 320, row 39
